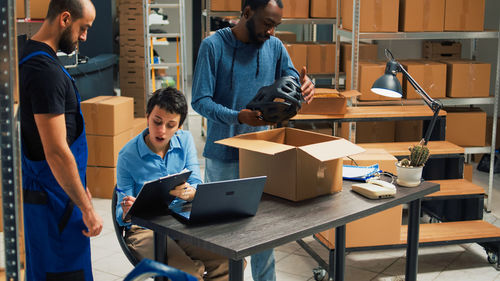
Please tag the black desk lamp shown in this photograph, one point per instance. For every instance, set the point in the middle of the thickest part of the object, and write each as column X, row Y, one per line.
column 388, row 85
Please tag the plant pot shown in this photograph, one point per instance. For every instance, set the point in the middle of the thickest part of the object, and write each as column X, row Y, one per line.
column 409, row 176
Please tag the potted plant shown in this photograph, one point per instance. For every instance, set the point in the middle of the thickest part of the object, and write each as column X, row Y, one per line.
column 410, row 170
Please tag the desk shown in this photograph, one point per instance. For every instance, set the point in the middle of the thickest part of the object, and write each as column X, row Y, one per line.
column 279, row 221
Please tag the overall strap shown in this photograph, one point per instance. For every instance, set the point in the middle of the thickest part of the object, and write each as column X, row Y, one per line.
column 43, row 53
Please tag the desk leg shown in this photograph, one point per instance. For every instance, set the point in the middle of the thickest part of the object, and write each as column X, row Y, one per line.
column 413, row 238
column 160, row 251
column 339, row 253
column 236, row 270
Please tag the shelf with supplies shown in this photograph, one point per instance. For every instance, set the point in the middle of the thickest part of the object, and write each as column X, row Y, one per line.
column 461, row 208
column 354, row 32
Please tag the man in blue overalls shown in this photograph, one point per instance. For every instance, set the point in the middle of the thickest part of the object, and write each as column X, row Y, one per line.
column 54, row 150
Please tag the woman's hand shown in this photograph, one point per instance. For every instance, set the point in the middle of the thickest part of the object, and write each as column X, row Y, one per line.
column 126, row 204
column 184, row 191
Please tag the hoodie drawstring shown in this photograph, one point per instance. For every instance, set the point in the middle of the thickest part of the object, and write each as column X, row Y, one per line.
column 232, row 67
column 258, row 63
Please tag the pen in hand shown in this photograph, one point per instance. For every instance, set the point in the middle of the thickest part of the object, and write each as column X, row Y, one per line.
column 121, row 192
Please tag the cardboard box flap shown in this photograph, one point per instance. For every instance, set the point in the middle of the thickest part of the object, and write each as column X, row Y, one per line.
column 330, row 150
column 262, row 146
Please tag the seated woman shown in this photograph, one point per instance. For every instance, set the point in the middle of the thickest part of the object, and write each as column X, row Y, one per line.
column 160, row 150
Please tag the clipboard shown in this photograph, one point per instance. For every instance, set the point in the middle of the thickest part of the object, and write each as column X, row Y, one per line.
column 154, row 197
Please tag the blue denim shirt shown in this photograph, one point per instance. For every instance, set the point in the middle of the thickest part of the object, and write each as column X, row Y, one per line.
column 138, row 164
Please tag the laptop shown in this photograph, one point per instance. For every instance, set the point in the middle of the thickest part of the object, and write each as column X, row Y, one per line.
column 154, row 197
column 222, row 200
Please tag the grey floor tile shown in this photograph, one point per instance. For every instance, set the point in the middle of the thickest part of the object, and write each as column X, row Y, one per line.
column 297, row 265
column 370, row 261
column 353, row 273
column 425, row 271
column 115, row 264
column 104, row 276
column 486, row 273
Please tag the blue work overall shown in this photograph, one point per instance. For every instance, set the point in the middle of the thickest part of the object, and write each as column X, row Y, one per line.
column 56, row 248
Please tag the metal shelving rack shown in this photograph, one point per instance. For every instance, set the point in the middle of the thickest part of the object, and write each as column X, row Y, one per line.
column 180, row 35
column 9, row 138
column 355, row 36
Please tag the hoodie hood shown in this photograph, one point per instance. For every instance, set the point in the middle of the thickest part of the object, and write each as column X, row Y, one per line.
column 228, row 37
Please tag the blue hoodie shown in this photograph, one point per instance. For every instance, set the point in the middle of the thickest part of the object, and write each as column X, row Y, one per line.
column 228, row 74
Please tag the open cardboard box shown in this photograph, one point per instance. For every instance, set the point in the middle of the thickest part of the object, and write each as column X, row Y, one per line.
column 298, row 164
column 328, row 101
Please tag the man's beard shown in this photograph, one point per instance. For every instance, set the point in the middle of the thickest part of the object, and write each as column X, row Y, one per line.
column 66, row 45
column 252, row 34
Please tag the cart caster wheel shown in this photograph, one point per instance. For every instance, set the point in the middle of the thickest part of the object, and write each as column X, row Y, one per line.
column 434, row 220
column 492, row 257
column 320, row 274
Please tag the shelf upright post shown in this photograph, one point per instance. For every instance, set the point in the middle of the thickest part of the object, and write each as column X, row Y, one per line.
column 337, row 47
column 9, row 140
column 354, row 59
column 494, row 128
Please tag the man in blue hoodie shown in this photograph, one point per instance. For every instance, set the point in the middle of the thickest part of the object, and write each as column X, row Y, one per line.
column 233, row 64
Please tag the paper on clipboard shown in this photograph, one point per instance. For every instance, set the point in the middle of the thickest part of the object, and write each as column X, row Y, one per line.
column 154, row 197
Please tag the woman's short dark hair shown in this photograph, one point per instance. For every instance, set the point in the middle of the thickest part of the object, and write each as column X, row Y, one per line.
column 256, row 4
column 170, row 100
column 56, row 7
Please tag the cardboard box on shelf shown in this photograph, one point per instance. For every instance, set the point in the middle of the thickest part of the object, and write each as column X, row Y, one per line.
column 366, row 52
column 466, row 126
column 296, row 8
column 225, row 5
column 321, row 58
column 130, row 8
column 375, row 131
column 468, row 172
column 442, row 50
column 132, row 20
column 430, row 75
column 307, row 159
column 368, row 73
column 317, row 127
column 328, row 101
column 139, row 125
column 135, row 85
column 286, row 36
column 323, row 8
column 466, row 78
column 464, row 15
column 101, row 181
column 107, row 115
column 489, row 131
column 20, row 10
column 140, row 107
column 384, row 228
column 375, row 16
column 38, row 8
column 385, row 161
column 421, row 15
column 409, row 130
column 298, row 54
column 103, row 150
column 131, row 51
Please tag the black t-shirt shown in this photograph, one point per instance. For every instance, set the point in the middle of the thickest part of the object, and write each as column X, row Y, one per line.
column 45, row 89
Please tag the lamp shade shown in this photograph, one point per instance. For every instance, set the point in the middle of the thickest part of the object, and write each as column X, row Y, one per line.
column 388, row 85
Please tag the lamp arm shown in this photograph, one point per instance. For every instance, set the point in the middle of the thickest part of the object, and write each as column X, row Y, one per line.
column 433, row 105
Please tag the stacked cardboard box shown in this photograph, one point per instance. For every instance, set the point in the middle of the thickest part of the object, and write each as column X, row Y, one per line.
column 466, row 78
column 368, row 72
column 323, row 8
column 421, row 15
column 296, row 8
column 442, row 50
column 365, row 52
column 466, row 126
column 430, row 75
column 110, row 124
column 225, row 5
column 132, row 69
column 375, row 16
column 464, row 15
